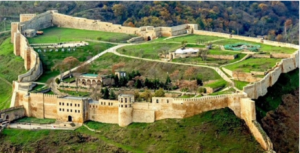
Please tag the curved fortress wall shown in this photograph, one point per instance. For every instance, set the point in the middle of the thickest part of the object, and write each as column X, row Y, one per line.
column 259, row 88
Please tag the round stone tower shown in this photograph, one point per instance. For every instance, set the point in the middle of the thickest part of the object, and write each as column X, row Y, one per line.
column 125, row 109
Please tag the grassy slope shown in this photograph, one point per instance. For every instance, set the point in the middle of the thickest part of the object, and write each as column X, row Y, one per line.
column 54, row 35
column 150, row 50
column 286, row 84
column 213, row 131
column 254, row 64
column 209, row 61
column 10, row 67
column 240, row 84
column 106, row 61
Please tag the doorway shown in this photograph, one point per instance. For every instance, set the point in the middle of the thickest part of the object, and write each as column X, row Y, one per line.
column 69, row 118
column 7, row 117
column 149, row 38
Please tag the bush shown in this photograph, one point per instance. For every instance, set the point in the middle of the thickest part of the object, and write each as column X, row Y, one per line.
column 202, row 90
column 57, row 81
column 99, row 38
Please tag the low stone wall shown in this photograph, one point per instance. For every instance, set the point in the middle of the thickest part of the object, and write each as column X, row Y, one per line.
column 12, row 113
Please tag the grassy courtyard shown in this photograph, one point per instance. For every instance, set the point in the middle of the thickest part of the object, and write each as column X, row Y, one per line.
column 55, row 35
column 254, row 64
column 213, row 131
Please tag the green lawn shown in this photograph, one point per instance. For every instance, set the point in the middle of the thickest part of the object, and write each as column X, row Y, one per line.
column 254, row 64
column 74, row 93
column 240, row 84
column 217, row 84
column 218, row 51
column 147, row 68
column 35, row 120
column 148, row 50
column 263, row 47
column 193, row 39
column 55, row 34
column 187, row 96
column 229, row 91
column 81, row 53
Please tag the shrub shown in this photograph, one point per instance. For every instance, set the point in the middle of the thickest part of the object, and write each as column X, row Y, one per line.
column 57, row 81
column 99, row 38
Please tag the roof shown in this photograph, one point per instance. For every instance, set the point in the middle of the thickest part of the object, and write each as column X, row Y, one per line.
column 187, row 50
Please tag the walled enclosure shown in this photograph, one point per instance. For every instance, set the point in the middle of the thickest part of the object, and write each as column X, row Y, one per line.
column 48, row 106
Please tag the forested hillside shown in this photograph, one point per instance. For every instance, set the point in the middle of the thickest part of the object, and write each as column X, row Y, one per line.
column 275, row 20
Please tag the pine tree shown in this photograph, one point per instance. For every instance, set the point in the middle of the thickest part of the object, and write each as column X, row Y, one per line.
column 112, row 95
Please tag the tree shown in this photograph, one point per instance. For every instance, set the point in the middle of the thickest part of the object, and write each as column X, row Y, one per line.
column 159, row 93
column 203, row 54
column 189, row 72
column 83, row 68
column 57, row 81
column 147, row 95
column 175, row 76
column 130, row 83
column 279, row 37
column 105, row 93
column 138, row 83
column 183, row 44
column 112, row 95
column 117, row 66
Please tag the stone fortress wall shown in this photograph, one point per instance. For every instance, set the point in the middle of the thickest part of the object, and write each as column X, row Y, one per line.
column 48, row 106
column 259, row 88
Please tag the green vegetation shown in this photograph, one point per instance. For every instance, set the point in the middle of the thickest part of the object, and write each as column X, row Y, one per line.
column 263, row 47
column 220, row 52
column 209, row 61
column 49, row 59
column 240, row 84
column 150, row 69
column 254, row 64
column 35, row 120
column 149, row 50
column 218, row 84
column 56, row 35
column 74, row 93
column 10, row 67
column 228, row 91
column 213, row 131
column 286, row 84
column 194, row 39
column 186, row 96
